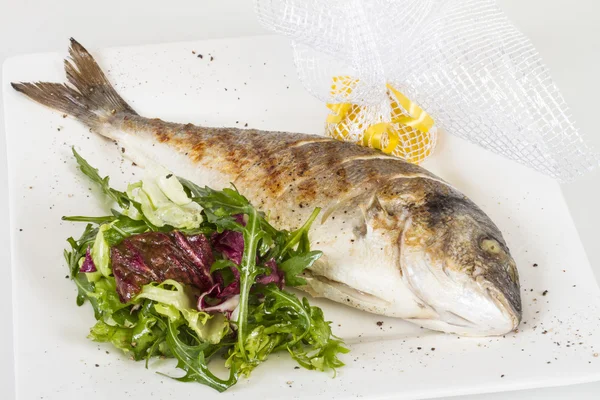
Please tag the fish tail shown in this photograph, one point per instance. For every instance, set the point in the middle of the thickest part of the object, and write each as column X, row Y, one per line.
column 91, row 98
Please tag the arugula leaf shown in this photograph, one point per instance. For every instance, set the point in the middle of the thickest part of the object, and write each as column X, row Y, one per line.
column 84, row 288
column 92, row 173
column 222, row 264
column 323, row 348
column 78, row 248
column 94, row 220
column 283, row 322
column 248, row 273
column 282, row 315
column 287, row 309
column 300, row 236
column 124, row 227
column 193, row 359
column 313, row 345
column 293, row 266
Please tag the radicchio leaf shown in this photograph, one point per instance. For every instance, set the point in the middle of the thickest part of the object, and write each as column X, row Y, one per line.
column 231, row 289
column 202, row 300
column 225, row 307
column 88, row 264
column 276, row 276
column 217, row 299
column 156, row 257
column 230, row 244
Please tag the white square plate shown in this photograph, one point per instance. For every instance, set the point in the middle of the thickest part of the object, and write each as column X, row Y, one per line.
column 252, row 80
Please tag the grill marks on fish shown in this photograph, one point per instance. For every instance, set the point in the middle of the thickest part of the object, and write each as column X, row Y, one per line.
column 290, row 174
column 296, row 170
column 326, row 174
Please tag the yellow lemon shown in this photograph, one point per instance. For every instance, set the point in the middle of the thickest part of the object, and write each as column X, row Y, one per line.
column 399, row 127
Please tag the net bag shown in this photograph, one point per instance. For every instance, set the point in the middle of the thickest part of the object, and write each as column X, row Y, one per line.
column 394, row 72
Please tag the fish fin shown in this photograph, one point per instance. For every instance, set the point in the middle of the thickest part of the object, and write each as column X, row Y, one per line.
column 92, row 99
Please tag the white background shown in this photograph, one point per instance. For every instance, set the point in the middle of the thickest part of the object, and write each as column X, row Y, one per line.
column 566, row 33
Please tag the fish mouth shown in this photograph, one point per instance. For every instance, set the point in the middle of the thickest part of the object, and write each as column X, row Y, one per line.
column 501, row 319
column 465, row 305
column 503, row 303
column 451, row 322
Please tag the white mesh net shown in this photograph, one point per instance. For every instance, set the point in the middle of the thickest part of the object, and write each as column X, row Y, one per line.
column 461, row 61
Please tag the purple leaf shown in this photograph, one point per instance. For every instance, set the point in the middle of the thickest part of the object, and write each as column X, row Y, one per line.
column 219, row 299
column 212, row 292
column 240, row 219
column 276, row 275
column 231, row 289
column 198, row 250
column 225, row 307
column 230, row 244
column 156, row 257
column 88, row 264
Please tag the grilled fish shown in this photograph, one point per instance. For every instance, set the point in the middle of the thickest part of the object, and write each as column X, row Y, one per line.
column 397, row 240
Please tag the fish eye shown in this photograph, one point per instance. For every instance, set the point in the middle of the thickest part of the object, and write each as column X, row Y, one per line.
column 491, row 246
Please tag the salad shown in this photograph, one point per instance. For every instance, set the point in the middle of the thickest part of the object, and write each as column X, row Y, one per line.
column 198, row 275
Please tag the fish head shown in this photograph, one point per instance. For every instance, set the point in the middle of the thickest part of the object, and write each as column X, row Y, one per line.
column 457, row 263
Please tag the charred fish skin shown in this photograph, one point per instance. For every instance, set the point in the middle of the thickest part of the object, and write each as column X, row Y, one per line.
column 397, row 240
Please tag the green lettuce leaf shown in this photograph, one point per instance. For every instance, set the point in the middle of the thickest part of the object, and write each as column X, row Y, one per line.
column 140, row 338
column 101, row 252
column 174, row 298
column 102, row 294
column 258, row 345
column 163, row 201
column 118, row 336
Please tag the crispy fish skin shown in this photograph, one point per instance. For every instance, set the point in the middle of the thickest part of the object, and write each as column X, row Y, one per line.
column 397, row 240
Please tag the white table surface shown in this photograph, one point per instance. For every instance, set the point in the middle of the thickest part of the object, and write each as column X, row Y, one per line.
column 566, row 33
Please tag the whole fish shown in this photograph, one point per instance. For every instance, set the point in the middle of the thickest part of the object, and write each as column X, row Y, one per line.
column 396, row 240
